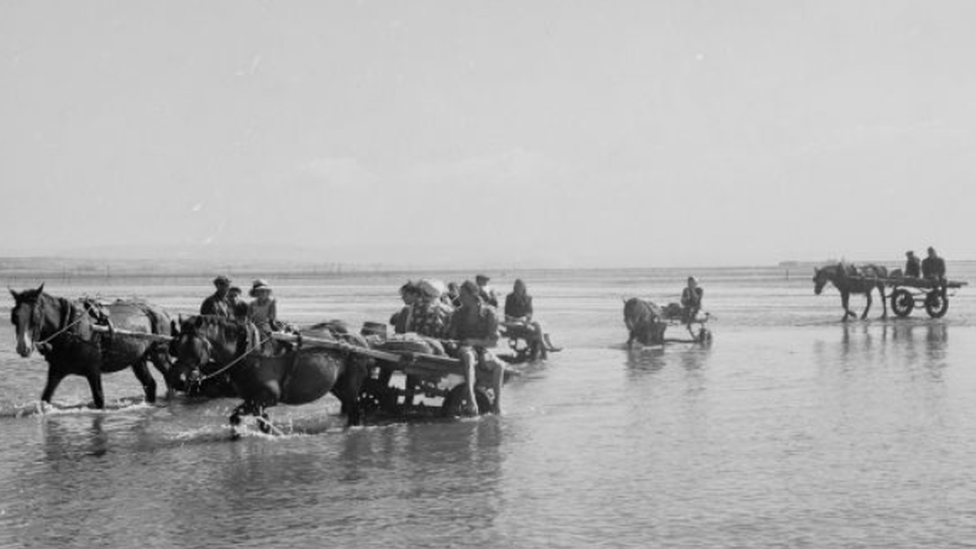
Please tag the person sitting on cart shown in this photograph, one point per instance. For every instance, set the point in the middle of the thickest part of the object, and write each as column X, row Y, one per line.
column 485, row 291
column 933, row 266
column 691, row 299
column 475, row 328
column 518, row 312
column 218, row 304
column 263, row 312
column 430, row 316
column 913, row 265
column 400, row 320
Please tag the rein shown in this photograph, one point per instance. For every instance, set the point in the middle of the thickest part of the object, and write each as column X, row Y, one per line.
column 37, row 324
column 232, row 363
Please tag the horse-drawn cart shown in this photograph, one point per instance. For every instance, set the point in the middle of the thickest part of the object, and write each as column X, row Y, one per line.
column 910, row 292
column 410, row 377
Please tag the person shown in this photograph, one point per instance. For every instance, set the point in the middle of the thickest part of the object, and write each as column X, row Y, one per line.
column 430, row 316
column 691, row 298
column 485, row 291
column 263, row 312
column 518, row 312
column 933, row 266
column 453, row 295
column 400, row 320
column 217, row 304
column 913, row 265
column 238, row 306
column 475, row 328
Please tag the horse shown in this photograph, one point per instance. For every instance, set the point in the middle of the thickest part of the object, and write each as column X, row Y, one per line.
column 849, row 279
column 62, row 331
column 297, row 376
column 645, row 322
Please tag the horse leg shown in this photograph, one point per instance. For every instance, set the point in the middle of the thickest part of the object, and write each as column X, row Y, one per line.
column 146, row 379
column 54, row 377
column 95, row 383
column 845, row 299
column 884, row 303
column 159, row 358
column 867, row 308
column 347, row 390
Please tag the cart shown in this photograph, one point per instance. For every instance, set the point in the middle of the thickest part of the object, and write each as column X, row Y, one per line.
column 910, row 292
column 408, row 379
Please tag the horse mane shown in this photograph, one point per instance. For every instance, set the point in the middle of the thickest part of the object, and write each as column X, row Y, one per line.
column 243, row 331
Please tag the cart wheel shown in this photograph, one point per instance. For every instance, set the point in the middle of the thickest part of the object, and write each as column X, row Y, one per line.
column 456, row 401
column 936, row 304
column 902, row 302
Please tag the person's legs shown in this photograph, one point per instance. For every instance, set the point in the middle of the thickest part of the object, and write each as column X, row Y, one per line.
column 469, row 360
column 497, row 369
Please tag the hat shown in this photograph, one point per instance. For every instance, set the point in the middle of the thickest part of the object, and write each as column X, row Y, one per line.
column 909, row 252
column 481, row 278
column 221, row 281
column 234, row 289
column 431, row 287
column 259, row 285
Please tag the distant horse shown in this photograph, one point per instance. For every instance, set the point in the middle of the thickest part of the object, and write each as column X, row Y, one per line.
column 645, row 322
column 852, row 280
column 294, row 377
column 62, row 331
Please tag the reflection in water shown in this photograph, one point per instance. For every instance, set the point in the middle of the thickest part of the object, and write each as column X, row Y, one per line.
column 864, row 346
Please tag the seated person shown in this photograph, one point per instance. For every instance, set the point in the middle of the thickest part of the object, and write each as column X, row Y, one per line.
column 485, row 291
column 430, row 316
column 475, row 327
column 217, row 304
column 518, row 312
column 933, row 266
column 913, row 267
column 400, row 320
column 263, row 312
column 691, row 298
column 237, row 305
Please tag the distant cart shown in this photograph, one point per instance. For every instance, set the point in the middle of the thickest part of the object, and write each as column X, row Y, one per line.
column 911, row 292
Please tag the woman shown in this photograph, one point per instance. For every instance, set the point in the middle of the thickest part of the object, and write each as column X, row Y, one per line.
column 518, row 312
column 263, row 312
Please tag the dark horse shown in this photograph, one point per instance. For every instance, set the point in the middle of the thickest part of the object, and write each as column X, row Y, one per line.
column 62, row 331
column 293, row 377
column 849, row 279
column 645, row 322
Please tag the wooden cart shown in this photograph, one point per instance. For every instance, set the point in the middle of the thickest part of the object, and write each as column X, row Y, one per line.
column 910, row 292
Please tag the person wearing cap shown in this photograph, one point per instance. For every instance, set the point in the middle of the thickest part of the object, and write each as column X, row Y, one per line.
column 475, row 328
column 913, row 266
column 263, row 312
column 485, row 291
column 691, row 298
column 217, row 304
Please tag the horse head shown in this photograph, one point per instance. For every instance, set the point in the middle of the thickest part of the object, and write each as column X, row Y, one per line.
column 204, row 343
column 820, row 278
column 27, row 316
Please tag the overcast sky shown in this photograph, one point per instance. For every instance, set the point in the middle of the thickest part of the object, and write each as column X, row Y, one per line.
column 518, row 133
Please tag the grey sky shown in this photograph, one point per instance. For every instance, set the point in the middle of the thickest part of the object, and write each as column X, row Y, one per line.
column 499, row 133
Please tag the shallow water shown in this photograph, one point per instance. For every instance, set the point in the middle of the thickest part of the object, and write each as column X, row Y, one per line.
column 791, row 430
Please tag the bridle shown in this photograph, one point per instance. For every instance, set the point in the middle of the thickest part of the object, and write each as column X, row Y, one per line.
column 208, row 354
